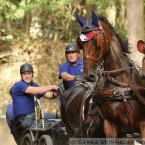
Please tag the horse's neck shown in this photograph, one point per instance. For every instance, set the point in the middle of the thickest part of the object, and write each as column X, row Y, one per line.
column 123, row 69
column 115, row 60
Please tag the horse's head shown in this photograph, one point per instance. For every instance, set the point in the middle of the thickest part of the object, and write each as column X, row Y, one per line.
column 94, row 43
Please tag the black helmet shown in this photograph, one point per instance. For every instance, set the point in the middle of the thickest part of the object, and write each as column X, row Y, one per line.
column 26, row 67
column 11, row 90
column 71, row 47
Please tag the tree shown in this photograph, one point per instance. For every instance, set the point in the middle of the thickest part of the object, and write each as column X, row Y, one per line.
column 135, row 27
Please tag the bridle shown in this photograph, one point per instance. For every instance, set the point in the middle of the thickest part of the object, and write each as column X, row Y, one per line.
column 103, row 41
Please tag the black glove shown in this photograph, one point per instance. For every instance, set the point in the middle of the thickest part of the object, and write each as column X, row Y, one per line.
column 55, row 94
column 79, row 78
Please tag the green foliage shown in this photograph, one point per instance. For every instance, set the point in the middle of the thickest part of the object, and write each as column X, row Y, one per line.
column 16, row 16
column 3, row 60
column 101, row 6
column 8, row 37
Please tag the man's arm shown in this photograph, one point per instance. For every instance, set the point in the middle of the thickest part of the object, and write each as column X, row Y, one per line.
column 67, row 77
column 41, row 89
column 51, row 95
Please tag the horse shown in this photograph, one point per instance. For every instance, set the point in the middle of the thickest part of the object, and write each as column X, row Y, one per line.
column 72, row 102
column 119, row 90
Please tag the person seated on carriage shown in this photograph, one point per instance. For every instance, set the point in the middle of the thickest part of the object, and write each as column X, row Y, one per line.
column 11, row 124
column 71, row 71
column 23, row 93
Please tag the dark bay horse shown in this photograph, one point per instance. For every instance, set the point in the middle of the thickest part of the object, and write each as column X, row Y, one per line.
column 74, row 102
column 121, row 91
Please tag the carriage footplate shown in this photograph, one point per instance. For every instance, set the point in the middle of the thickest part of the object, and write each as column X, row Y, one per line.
column 58, row 131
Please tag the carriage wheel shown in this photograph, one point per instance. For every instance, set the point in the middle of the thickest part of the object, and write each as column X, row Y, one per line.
column 45, row 140
column 27, row 140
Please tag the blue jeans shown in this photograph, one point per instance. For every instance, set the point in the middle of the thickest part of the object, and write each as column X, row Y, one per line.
column 30, row 120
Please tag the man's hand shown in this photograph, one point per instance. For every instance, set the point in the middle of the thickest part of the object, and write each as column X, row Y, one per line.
column 55, row 93
column 79, row 78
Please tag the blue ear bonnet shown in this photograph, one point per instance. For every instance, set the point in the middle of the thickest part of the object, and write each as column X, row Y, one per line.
column 90, row 24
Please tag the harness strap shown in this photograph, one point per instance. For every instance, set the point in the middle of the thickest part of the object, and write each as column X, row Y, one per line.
column 87, row 94
column 128, row 111
column 137, row 93
column 112, row 80
column 90, row 57
column 119, row 90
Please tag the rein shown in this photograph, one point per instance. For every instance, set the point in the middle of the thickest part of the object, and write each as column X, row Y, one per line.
column 88, row 94
column 117, row 70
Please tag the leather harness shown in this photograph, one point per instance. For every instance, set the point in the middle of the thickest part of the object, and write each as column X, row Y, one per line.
column 124, row 92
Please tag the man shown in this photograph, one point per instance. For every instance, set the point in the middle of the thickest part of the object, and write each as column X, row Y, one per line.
column 23, row 97
column 71, row 71
column 9, row 118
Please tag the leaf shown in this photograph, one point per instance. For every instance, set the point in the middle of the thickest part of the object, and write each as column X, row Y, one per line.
column 9, row 37
column 19, row 13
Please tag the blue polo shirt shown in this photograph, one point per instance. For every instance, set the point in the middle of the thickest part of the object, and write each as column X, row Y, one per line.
column 23, row 103
column 73, row 70
column 10, row 116
column 9, row 111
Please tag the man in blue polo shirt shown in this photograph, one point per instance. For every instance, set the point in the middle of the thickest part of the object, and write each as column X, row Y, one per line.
column 71, row 71
column 23, row 97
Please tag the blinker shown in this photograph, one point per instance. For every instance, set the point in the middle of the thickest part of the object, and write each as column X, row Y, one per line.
column 88, row 36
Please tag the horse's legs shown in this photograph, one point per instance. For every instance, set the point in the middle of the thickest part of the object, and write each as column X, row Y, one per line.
column 142, row 131
column 110, row 129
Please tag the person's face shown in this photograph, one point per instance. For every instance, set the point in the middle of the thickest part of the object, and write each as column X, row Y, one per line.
column 72, row 56
column 27, row 76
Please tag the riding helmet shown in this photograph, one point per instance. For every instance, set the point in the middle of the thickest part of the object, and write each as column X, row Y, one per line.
column 11, row 90
column 71, row 47
column 26, row 67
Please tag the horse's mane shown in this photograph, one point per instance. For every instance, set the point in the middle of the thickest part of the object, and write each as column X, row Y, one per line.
column 122, row 39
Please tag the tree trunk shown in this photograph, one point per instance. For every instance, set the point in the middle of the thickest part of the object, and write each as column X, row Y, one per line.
column 135, row 27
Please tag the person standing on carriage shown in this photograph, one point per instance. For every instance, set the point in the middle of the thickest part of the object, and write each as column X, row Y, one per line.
column 71, row 71
column 23, row 93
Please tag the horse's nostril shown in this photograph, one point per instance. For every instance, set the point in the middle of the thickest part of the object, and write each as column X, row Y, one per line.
column 92, row 76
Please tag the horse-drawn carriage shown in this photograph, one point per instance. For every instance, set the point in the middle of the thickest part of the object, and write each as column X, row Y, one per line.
column 53, row 133
column 48, row 131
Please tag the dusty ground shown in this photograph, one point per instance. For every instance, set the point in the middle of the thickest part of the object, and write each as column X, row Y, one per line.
column 5, row 136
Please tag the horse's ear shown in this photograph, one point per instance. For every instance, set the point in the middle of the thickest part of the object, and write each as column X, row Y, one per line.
column 141, row 46
column 80, row 20
column 94, row 19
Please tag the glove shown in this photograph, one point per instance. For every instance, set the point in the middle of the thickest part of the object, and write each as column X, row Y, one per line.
column 55, row 94
column 79, row 78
